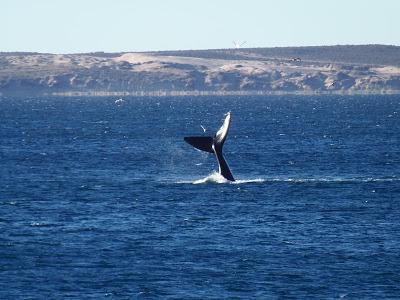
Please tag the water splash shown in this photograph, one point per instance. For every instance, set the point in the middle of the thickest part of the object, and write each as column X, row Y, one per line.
column 256, row 180
column 212, row 178
column 216, row 178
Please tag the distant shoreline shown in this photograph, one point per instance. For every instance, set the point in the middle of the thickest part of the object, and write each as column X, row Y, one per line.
column 216, row 93
column 333, row 70
column 197, row 93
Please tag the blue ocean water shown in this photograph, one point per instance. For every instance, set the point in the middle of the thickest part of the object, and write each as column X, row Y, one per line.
column 105, row 201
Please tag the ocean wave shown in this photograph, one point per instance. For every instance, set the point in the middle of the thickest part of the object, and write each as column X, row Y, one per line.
column 331, row 179
column 216, row 178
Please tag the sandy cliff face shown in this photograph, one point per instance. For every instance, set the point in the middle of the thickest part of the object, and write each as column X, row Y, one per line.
column 48, row 73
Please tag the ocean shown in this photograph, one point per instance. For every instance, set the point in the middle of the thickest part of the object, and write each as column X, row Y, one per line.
column 99, row 200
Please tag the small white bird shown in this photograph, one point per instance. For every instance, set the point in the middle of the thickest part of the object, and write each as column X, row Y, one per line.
column 119, row 101
column 204, row 129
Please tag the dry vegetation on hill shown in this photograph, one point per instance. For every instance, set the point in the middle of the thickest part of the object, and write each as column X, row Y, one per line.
column 334, row 69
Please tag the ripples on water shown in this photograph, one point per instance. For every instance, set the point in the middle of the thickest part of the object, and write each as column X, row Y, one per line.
column 99, row 200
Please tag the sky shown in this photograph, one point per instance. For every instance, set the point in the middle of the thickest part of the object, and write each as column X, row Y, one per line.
column 74, row 26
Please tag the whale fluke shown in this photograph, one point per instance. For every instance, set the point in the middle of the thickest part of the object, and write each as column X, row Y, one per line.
column 203, row 143
column 214, row 145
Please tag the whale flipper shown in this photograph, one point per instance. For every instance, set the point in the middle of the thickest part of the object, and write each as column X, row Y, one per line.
column 214, row 145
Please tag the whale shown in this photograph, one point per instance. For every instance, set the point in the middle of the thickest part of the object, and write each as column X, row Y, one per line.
column 214, row 144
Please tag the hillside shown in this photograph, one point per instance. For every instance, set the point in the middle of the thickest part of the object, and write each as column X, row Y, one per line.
column 325, row 69
column 353, row 54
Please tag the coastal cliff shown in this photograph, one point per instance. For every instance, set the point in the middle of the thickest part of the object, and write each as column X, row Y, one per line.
column 334, row 69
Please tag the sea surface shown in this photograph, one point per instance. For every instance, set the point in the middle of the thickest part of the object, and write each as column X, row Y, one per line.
column 106, row 201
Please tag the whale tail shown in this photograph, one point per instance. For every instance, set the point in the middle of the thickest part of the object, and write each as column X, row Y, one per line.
column 214, row 145
column 203, row 143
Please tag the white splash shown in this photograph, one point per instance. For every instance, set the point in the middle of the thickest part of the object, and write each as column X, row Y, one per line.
column 212, row 178
column 256, row 180
column 216, row 178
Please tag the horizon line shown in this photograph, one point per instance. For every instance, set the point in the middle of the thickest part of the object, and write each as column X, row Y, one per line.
column 198, row 49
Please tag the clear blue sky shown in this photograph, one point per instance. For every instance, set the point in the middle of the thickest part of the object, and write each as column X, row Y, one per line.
column 70, row 26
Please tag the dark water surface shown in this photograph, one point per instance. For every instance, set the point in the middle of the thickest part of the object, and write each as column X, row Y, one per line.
column 99, row 201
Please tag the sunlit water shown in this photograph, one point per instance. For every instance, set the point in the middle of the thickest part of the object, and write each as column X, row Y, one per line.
column 105, row 201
